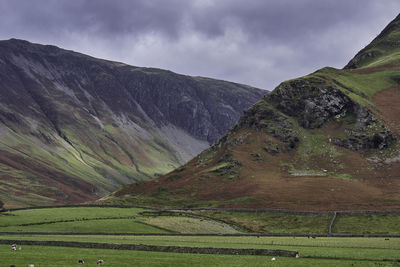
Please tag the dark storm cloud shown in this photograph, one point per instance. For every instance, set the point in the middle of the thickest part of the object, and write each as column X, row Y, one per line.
column 282, row 20
column 101, row 17
column 258, row 42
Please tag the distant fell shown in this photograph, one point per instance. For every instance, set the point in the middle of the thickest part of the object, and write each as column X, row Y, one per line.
column 74, row 128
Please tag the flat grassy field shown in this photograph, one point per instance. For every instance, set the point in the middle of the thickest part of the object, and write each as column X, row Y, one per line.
column 90, row 226
column 30, row 216
column 371, row 223
column 319, row 251
column 313, row 252
column 108, row 220
column 188, row 225
column 137, row 220
column 61, row 256
column 274, row 222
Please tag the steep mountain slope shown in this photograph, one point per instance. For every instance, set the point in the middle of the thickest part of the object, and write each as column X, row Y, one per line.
column 73, row 127
column 384, row 50
column 326, row 141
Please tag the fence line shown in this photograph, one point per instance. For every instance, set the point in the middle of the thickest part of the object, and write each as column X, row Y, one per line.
column 212, row 209
column 175, row 249
column 179, row 234
column 331, row 224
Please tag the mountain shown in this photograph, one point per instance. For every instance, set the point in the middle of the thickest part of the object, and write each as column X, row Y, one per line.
column 325, row 141
column 74, row 128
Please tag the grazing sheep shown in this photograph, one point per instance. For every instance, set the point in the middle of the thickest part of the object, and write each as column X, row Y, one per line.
column 31, row 265
column 81, row 261
column 19, row 248
column 297, row 255
column 99, row 262
column 273, row 259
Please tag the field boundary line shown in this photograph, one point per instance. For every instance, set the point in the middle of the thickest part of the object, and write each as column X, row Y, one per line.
column 207, row 209
column 75, row 220
column 174, row 249
column 331, row 223
column 179, row 234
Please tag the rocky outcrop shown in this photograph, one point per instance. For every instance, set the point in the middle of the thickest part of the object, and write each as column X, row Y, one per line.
column 265, row 118
column 312, row 102
column 367, row 132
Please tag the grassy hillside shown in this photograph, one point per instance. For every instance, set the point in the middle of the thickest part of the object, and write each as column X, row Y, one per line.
column 383, row 51
column 325, row 141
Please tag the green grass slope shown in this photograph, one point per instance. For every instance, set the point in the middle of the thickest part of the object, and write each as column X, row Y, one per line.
column 384, row 50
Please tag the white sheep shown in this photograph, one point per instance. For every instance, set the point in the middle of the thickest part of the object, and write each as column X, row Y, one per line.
column 99, row 262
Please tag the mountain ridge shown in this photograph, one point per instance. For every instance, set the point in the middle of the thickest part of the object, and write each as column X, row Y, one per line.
column 325, row 141
column 382, row 47
column 94, row 125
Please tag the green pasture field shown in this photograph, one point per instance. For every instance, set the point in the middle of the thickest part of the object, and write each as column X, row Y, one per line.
column 319, row 251
column 107, row 220
column 90, row 226
column 63, row 256
column 274, row 222
column 313, row 252
column 18, row 217
column 370, row 223
column 138, row 220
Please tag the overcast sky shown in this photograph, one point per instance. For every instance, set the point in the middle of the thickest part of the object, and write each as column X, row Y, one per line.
column 256, row 42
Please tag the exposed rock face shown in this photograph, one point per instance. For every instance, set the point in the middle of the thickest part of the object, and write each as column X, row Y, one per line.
column 106, row 122
column 313, row 102
column 276, row 124
column 367, row 133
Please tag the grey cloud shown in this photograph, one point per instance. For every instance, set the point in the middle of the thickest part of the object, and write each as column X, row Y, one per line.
column 101, row 17
column 258, row 42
